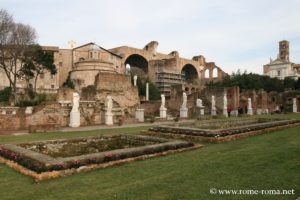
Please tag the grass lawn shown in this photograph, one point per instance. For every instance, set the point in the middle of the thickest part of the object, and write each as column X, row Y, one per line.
column 262, row 162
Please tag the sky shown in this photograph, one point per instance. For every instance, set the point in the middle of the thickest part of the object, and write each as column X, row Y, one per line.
column 235, row 34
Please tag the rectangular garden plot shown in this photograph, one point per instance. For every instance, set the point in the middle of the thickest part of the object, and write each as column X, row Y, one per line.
column 221, row 130
column 54, row 158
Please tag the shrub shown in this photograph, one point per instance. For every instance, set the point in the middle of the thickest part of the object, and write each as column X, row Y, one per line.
column 152, row 119
column 69, row 83
column 39, row 98
column 4, row 94
column 176, row 119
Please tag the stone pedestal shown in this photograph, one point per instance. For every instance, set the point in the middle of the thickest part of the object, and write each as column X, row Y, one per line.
column 258, row 111
column 213, row 111
column 74, row 119
column 139, row 114
column 225, row 113
column 234, row 113
column 183, row 112
column 163, row 113
column 28, row 110
column 250, row 111
column 201, row 110
column 109, row 119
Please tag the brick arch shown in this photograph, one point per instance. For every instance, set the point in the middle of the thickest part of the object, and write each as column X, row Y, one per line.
column 190, row 71
column 139, row 64
column 209, row 70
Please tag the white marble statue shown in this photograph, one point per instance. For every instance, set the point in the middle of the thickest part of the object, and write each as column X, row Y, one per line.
column 199, row 103
column 163, row 109
column 295, row 109
column 109, row 114
column 213, row 106
column 184, row 109
column 184, row 100
column 75, row 113
column 135, row 80
column 109, row 104
column 250, row 110
column 163, row 101
column 213, row 101
column 76, row 99
column 225, row 113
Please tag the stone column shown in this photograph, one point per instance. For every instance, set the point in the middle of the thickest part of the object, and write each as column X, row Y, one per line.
column 163, row 109
column 225, row 113
column 147, row 91
column 250, row 109
column 184, row 109
column 139, row 114
column 135, row 80
column 75, row 113
column 213, row 106
column 295, row 109
column 109, row 114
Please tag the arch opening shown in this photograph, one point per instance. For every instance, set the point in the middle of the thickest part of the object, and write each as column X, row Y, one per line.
column 215, row 73
column 189, row 72
column 137, row 65
column 206, row 73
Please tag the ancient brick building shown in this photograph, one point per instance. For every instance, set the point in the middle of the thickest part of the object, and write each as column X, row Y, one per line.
column 84, row 62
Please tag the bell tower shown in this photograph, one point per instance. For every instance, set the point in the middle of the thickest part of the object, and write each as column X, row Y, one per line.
column 284, row 50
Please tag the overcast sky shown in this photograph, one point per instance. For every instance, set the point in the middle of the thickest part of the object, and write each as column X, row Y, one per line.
column 235, row 34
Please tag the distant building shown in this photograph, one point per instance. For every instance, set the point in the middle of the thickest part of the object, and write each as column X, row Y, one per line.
column 84, row 62
column 282, row 67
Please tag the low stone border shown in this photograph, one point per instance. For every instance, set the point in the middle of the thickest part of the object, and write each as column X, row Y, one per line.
column 55, row 174
column 221, row 132
column 219, row 139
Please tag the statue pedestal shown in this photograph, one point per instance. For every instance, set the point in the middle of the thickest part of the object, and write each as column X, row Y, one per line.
column 28, row 110
column 74, row 119
column 139, row 115
column 183, row 112
column 250, row 111
column 163, row 113
column 202, row 110
column 225, row 113
column 109, row 119
column 234, row 113
column 213, row 111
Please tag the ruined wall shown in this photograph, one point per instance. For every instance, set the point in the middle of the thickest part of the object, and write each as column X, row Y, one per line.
column 120, row 88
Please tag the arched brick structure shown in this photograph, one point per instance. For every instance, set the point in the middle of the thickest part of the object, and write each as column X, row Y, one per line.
column 167, row 69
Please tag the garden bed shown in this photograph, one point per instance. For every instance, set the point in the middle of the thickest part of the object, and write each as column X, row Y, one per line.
column 54, row 158
column 221, row 130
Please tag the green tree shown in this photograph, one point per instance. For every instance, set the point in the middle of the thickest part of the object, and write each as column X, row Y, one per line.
column 248, row 81
column 69, row 83
column 297, row 84
column 36, row 62
column 15, row 39
column 289, row 83
column 154, row 93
